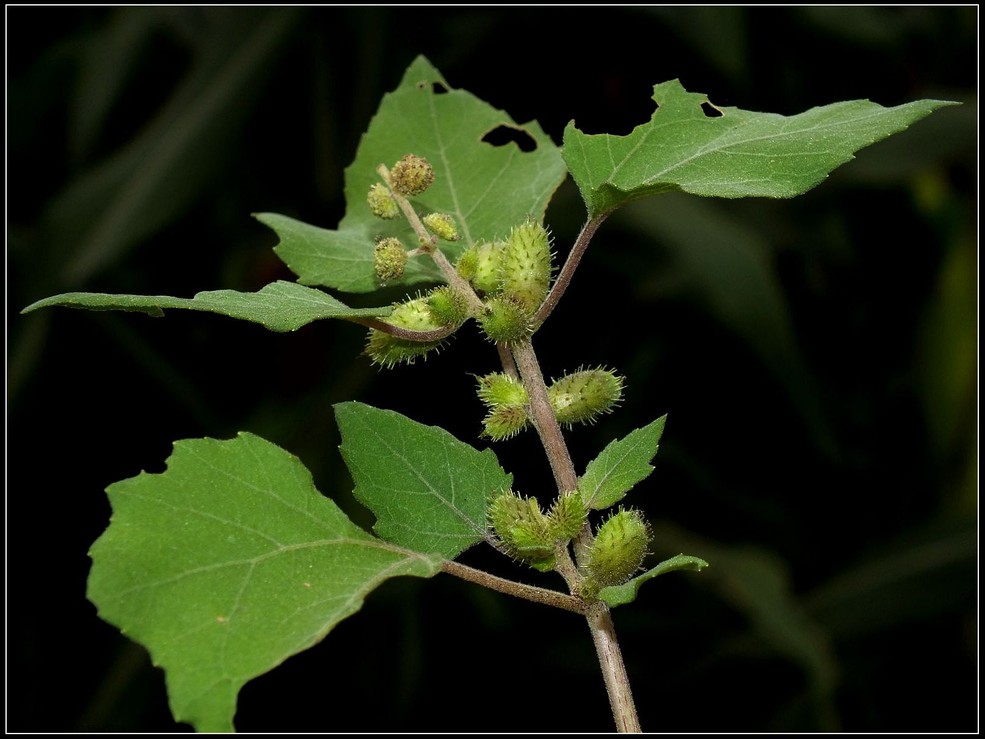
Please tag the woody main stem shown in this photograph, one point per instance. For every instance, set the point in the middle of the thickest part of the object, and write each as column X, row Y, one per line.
column 598, row 616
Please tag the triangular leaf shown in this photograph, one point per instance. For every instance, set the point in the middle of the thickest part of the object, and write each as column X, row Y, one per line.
column 620, row 595
column 620, row 466
column 485, row 185
column 228, row 563
column 280, row 306
column 428, row 489
column 693, row 146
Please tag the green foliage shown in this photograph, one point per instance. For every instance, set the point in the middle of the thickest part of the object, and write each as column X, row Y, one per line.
column 692, row 146
column 209, row 562
column 484, row 188
column 621, row 465
column 279, row 306
column 428, row 489
column 620, row 595
column 227, row 564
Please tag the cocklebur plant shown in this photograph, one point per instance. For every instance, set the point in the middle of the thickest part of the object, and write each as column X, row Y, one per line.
column 231, row 561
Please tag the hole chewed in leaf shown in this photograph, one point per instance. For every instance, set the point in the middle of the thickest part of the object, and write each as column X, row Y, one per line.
column 616, row 107
column 438, row 88
column 503, row 134
column 711, row 111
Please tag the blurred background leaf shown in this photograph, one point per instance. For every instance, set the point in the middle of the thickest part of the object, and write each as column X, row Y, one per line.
column 816, row 358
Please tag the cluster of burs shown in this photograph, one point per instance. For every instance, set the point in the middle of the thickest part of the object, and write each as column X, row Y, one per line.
column 503, row 285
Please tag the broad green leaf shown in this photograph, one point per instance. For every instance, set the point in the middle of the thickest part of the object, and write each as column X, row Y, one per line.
column 280, row 306
column 428, row 489
column 347, row 264
column 485, row 187
column 620, row 595
column 228, row 563
column 695, row 147
column 620, row 466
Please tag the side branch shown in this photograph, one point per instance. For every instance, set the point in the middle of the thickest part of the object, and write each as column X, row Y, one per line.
column 429, row 244
column 405, row 333
column 570, row 265
column 517, row 589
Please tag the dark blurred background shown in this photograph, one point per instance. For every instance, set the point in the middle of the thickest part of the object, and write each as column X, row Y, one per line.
column 817, row 358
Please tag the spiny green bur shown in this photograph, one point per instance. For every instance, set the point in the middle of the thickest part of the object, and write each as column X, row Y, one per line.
column 506, row 320
column 499, row 388
column 506, row 399
column 523, row 529
column 480, row 266
column 505, row 421
column 448, row 306
column 388, row 350
column 567, row 516
column 618, row 550
column 583, row 396
column 525, row 265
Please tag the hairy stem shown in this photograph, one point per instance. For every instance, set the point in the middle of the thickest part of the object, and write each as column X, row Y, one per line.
column 544, row 420
column 506, row 357
column 570, row 265
column 405, row 333
column 429, row 244
column 598, row 616
column 613, row 669
column 520, row 590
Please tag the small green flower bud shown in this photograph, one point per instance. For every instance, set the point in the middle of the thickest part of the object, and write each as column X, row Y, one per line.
column 448, row 306
column 618, row 550
column 412, row 175
column 388, row 350
column 441, row 225
column 389, row 259
column 523, row 529
column 381, row 202
column 506, row 321
column 583, row 396
column 525, row 265
column 567, row 516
